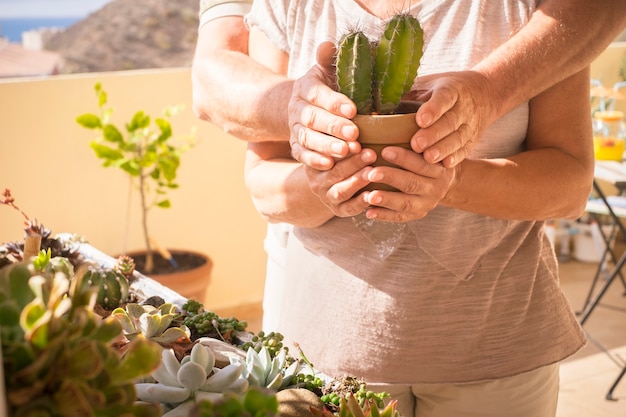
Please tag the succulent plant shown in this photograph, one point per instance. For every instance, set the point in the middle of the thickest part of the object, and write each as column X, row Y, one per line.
column 57, row 354
column 181, row 384
column 349, row 407
column 152, row 323
column 376, row 75
column 11, row 252
column 261, row 370
column 113, row 287
column 255, row 402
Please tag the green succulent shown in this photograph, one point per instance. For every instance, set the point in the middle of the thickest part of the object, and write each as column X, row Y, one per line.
column 349, row 407
column 57, row 354
column 112, row 286
column 376, row 75
column 261, row 370
column 180, row 385
column 255, row 402
column 151, row 323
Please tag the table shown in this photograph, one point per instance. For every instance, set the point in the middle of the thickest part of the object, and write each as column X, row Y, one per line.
column 613, row 172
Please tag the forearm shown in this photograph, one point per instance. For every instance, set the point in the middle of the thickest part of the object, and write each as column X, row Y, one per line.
column 234, row 92
column 558, row 41
column 280, row 192
column 534, row 185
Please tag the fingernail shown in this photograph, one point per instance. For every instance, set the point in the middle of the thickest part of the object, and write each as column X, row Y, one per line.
column 348, row 132
column 376, row 176
column 337, row 149
column 425, row 119
column 346, row 110
column 390, row 155
column 435, row 155
column 368, row 157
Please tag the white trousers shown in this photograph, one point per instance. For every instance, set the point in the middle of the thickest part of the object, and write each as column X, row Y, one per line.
column 531, row 394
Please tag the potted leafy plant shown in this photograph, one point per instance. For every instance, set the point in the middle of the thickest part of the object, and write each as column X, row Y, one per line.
column 146, row 150
column 376, row 75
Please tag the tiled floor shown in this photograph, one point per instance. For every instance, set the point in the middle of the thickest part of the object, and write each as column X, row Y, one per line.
column 587, row 376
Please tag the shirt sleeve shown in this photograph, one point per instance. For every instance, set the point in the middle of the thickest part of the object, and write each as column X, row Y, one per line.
column 213, row 9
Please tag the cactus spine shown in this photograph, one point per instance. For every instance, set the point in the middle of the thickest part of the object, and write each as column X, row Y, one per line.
column 396, row 58
column 112, row 285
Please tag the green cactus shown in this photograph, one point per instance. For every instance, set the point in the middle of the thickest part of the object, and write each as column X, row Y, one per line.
column 396, row 57
column 57, row 354
column 113, row 287
column 354, row 70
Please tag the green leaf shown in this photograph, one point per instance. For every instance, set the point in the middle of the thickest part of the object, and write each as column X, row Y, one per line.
column 164, row 204
column 166, row 129
column 109, row 330
column 140, row 120
column 106, row 152
column 19, row 276
column 112, row 134
column 141, row 358
column 84, row 360
column 89, row 120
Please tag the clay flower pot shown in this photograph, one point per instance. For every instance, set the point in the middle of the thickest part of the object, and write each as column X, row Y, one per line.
column 377, row 131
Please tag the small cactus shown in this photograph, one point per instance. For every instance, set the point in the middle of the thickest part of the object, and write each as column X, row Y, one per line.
column 113, row 287
column 376, row 75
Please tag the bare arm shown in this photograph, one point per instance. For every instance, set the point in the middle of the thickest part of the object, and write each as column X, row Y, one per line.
column 560, row 39
column 231, row 90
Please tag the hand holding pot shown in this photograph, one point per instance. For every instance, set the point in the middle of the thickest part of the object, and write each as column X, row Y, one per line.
column 422, row 185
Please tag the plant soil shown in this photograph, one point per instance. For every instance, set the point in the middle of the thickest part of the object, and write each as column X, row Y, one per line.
column 185, row 260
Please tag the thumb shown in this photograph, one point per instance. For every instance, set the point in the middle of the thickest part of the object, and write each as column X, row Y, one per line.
column 326, row 56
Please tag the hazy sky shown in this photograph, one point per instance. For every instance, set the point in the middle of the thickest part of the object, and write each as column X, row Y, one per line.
column 49, row 8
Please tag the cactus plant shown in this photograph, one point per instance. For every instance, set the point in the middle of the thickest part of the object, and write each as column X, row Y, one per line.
column 376, row 75
column 112, row 285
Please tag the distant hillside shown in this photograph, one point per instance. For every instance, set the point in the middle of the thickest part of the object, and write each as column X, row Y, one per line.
column 130, row 34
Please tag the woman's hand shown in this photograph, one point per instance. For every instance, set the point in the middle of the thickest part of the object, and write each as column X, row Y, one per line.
column 422, row 186
column 338, row 188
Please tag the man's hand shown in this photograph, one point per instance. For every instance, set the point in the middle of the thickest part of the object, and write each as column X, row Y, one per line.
column 319, row 117
column 458, row 107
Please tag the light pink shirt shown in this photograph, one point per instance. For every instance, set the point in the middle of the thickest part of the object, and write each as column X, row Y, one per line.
column 454, row 297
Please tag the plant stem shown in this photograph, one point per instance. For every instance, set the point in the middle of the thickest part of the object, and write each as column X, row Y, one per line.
column 144, row 211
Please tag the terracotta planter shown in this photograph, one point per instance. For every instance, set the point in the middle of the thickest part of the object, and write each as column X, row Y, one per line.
column 377, row 131
column 190, row 280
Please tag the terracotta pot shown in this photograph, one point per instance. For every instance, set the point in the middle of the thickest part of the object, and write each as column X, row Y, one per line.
column 377, row 131
column 190, row 280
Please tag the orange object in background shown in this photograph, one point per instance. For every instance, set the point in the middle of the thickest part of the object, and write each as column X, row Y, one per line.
column 609, row 133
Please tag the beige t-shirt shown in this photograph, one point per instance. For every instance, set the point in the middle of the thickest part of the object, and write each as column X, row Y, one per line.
column 454, row 297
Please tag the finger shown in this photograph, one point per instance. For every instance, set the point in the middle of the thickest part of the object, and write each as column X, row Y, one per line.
column 453, row 147
column 442, row 100
column 314, row 88
column 448, row 123
column 394, row 206
column 319, row 142
column 325, row 56
column 454, row 159
column 410, row 161
column 310, row 158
